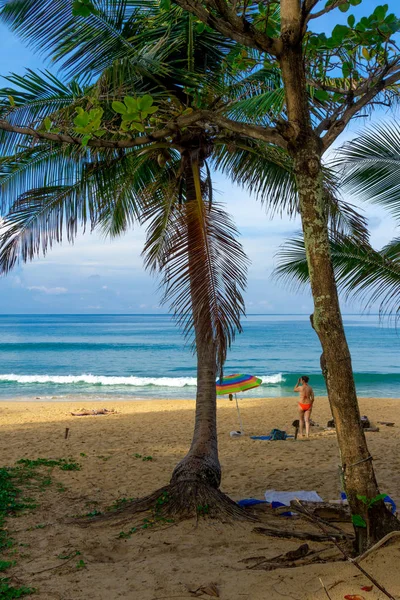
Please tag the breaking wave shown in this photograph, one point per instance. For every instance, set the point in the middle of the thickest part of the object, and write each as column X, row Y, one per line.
column 100, row 380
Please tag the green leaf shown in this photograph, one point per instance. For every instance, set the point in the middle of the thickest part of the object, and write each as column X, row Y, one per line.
column 131, row 116
column 351, row 21
column 366, row 54
column 321, row 95
column 47, row 123
column 131, row 103
column 165, row 4
column 358, row 521
column 380, row 12
column 137, row 126
column 200, row 27
column 119, row 107
column 152, row 110
column 96, row 113
column 11, row 100
column 145, row 102
column 83, row 8
column 86, row 139
column 339, row 33
column 80, row 10
column 346, row 69
column 100, row 132
column 363, row 499
column 82, row 120
column 355, row 2
column 377, row 498
column 344, row 7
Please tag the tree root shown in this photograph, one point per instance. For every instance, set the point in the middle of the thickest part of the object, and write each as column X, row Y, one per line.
column 176, row 502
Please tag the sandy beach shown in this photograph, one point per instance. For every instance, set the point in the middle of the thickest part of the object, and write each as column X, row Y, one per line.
column 170, row 561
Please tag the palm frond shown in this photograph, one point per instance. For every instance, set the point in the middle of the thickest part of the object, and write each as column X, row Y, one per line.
column 371, row 166
column 372, row 276
column 262, row 170
column 37, row 95
column 80, row 43
column 98, row 193
column 193, row 244
column 39, row 219
column 344, row 218
column 261, row 108
column 34, row 168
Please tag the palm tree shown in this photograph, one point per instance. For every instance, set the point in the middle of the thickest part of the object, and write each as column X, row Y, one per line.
column 369, row 169
column 166, row 186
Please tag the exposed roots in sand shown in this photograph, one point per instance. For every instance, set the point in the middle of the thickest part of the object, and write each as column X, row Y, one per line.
column 176, row 502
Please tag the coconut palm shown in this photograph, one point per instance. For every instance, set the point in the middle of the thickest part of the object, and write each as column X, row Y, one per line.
column 58, row 188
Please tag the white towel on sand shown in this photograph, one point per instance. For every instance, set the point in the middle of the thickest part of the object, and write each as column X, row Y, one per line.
column 286, row 497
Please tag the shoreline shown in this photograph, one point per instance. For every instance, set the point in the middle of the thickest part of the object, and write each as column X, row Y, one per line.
column 130, row 398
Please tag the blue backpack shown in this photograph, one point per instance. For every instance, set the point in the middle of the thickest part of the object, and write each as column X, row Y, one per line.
column 277, row 434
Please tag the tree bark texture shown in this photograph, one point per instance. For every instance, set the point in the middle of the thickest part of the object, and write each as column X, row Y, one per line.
column 305, row 149
column 201, row 464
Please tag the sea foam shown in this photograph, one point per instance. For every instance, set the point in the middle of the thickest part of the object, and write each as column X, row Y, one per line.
column 98, row 380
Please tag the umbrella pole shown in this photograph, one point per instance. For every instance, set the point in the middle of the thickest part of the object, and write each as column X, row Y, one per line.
column 240, row 419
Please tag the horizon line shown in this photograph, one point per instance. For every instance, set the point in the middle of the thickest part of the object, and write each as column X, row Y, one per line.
column 122, row 314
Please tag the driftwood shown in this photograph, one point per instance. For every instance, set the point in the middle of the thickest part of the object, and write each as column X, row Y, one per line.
column 300, row 535
column 302, row 556
column 316, row 519
column 382, row 542
column 328, row 511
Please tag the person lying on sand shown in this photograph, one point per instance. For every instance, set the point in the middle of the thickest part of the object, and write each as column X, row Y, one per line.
column 87, row 413
column 306, row 402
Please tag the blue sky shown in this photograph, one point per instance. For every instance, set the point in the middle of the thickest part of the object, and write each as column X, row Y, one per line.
column 101, row 276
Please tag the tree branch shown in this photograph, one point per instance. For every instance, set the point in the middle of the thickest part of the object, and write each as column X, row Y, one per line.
column 270, row 135
column 61, row 138
column 375, row 87
column 308, row 5
column 326, row 10
column 230, row 25
column 202, row 118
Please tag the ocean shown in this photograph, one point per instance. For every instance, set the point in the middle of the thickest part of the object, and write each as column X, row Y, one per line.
column 145, row 356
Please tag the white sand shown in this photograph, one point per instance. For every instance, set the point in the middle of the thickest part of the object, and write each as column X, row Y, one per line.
column 157, row 564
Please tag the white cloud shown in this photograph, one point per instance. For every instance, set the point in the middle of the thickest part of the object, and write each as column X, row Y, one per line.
column 56, row 291
column 104, row 287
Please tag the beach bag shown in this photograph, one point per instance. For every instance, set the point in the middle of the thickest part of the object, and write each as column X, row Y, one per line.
column 365, row 424
column 277, row 434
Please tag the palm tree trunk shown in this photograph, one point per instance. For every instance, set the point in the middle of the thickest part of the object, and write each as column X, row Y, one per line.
column 201, row 464
column 305, row 149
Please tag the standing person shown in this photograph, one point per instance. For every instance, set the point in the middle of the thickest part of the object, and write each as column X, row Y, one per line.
column 306, row 402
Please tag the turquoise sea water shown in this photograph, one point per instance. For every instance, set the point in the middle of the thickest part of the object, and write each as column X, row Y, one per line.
column 144, row 356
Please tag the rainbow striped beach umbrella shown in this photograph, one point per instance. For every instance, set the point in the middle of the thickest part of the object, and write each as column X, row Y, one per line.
column 234, row 384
